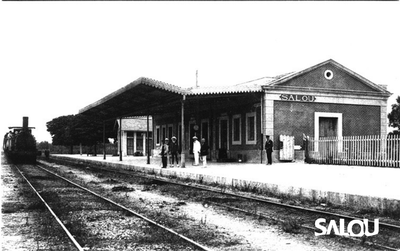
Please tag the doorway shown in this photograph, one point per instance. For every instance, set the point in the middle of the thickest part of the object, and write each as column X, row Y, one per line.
column 130, row 143
column 223, row 139
column 328, row 127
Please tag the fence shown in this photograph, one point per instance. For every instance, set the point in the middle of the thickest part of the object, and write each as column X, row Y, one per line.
column 354, row 150
column 58, row 149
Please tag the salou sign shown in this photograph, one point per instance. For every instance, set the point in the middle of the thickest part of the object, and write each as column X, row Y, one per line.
column 298, row 98
column 342, row 230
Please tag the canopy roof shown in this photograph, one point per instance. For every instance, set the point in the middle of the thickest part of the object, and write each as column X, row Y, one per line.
column 148, row 96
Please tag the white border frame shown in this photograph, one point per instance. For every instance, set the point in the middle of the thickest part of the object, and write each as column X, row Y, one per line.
column 339, row 117
column 325, row 74
column 251, row 142
column 158, row 136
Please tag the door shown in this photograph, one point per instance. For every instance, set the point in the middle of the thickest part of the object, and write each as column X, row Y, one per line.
column 223, row 144
column 130, row 143
column 139, row 142
column 328, row 127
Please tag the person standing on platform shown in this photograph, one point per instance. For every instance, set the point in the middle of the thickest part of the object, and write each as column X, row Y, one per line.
column 174, row 151
column 204, row 151
column 164, row 153
column 196, row 150
column 269, row 146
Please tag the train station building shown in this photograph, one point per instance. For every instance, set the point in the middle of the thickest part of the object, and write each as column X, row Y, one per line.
column 327, row 99
column 134, row 135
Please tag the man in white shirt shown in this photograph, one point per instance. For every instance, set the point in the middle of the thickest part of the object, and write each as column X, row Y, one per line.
column 196, row 150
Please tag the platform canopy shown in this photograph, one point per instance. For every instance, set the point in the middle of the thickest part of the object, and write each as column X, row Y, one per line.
column 146, row 96
column 141, row 97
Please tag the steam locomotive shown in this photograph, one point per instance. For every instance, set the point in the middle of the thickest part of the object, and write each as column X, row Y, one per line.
column 19, row 144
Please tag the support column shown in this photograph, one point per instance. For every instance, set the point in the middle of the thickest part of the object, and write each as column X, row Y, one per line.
column 269, row 116
column 134, row 142
column 262, row 128
column 104, row 140
column 120, row 139
column 147, row 139
column 214, row 155
column 144, row 143
column 183, row 147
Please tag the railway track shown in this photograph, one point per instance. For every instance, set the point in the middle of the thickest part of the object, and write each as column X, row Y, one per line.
column 70, row 212
column 291, row 217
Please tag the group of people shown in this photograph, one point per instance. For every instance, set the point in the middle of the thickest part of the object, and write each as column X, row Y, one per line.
column 170, row 150
column 200, row 151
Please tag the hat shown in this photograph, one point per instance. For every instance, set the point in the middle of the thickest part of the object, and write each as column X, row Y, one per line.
column 166, row 139
column 173, row 137
column 194, row 137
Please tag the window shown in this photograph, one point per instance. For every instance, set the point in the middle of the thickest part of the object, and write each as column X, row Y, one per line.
column 158, row 135
column 237, row 126
column 223, row 133
column 170, row 134
column 164, row 133
column 251, row 128
column 328, row 74
column 205, row 130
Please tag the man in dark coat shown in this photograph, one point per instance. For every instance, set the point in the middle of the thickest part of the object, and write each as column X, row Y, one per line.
column 174, row 150
column 164, row 153
column 269, row 146
column 204, row 151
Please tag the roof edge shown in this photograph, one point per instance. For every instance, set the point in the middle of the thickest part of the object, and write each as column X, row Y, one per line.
column 354, row 74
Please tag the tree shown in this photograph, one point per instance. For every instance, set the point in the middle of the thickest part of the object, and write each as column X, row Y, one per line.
column 43, row 145
column 394, row 116
column 78, row 129
column 62, row 130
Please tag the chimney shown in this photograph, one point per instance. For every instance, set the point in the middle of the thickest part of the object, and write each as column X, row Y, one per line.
column 25, row 123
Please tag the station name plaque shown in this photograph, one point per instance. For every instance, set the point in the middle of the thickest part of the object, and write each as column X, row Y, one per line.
column 296, row 97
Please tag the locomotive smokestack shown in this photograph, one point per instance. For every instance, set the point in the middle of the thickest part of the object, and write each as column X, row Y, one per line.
column 25, row 122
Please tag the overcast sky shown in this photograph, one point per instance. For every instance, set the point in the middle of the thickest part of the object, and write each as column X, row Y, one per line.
column 58, row 57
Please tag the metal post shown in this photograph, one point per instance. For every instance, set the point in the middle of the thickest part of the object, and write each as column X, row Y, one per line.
column 147, row 140
column 183, row 132
column 120, row 139
column 262, row 127
column 104, row 140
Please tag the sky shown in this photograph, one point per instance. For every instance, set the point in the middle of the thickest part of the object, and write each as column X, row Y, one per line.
column 58, row 57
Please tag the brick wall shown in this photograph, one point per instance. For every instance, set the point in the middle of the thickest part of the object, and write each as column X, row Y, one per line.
column 296, row 118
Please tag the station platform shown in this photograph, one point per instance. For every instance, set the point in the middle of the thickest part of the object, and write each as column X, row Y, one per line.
column 353, row 186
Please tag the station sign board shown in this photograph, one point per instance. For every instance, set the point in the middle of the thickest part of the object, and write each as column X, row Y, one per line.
column 297, row 97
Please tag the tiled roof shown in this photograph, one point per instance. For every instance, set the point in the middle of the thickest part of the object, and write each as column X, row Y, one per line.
column 162, row 85
column 250, row 86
